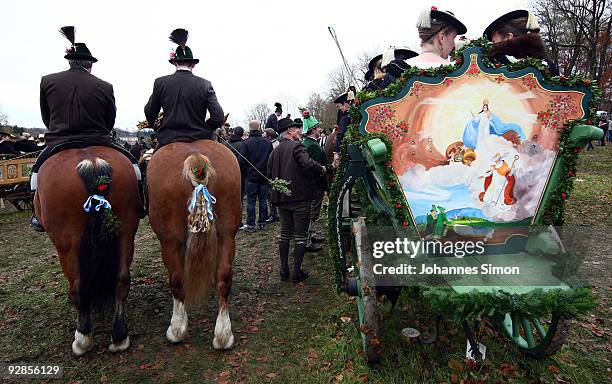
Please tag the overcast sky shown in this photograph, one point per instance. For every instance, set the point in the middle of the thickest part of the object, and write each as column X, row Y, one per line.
column 251, row 51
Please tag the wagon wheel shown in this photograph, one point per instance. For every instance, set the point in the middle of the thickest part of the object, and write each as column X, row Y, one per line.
column 532, row 337
column 367, row 303
column 21, row 204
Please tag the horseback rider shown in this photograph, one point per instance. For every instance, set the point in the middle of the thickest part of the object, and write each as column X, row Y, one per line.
column 184, row 98
column 77, row 108
column 515, row 35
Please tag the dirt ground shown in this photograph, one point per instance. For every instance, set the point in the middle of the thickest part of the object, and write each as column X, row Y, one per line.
column 285, row 333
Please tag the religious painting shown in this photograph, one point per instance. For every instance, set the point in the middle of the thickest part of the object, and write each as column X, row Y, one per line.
column 474, row 149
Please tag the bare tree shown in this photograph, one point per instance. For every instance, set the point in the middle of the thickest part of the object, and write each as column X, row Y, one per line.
column 578, row 33
column 3, row 119
column 259, row 112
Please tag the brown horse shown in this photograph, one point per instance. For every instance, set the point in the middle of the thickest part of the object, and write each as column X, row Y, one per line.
column 197, row 241
column 95, row 248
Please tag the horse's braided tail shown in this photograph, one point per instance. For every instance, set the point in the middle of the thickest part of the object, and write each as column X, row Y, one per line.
column 201, row 247
column 99, row 250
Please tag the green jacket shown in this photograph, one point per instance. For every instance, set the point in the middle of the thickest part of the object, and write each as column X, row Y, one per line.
column 316, row 152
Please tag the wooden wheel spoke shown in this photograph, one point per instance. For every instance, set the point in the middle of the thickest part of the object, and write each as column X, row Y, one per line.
column 528, row 332
column 539, row 328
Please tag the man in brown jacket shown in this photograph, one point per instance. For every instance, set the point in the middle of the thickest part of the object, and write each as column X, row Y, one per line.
column 290, row 161
column 77, row 108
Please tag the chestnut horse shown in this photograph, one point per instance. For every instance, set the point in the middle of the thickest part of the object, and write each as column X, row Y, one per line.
column 195, row 210
column 95, row 248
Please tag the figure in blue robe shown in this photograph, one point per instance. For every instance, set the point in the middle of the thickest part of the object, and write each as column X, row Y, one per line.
column 487, row 123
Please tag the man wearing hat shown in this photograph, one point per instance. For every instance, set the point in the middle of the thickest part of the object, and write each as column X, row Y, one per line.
column 185, row 99
column 290, row 161
column 515, row 35
column 387, row 67
column 312, row 131
column 77, row 108
column 272, row 121
column 343, row 103
column 437, row 31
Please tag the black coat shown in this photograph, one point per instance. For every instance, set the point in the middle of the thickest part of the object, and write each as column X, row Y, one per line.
column 272, row 121
column 257, row 150
column 26, row 146
column 345, row 120
column 77, row 106
column 290, row 161
column 184, row 98
column 7, row 147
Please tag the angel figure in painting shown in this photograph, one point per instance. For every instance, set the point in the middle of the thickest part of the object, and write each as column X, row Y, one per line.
column 499, row 183
column 487, row 123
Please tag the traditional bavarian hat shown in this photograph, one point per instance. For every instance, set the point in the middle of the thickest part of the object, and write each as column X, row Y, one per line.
column 286, row 123
column 433, row 15
column 398, row 53
column 347, row 96
column 309, row 122
column 278, row 107
column 183, row 53
column 77, row 51
column 530, row 26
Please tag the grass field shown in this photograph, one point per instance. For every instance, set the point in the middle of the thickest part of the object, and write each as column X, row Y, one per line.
column 285, row 333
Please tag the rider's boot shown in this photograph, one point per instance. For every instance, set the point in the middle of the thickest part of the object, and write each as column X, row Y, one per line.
column 35, row 224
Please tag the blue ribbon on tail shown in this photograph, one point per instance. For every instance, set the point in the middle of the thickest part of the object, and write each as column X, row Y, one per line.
column 209, row 200
column 102, row 203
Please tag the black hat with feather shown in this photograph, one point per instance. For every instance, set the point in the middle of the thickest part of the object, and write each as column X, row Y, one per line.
column 183, row 53
column 279, row 107
column 77, row 51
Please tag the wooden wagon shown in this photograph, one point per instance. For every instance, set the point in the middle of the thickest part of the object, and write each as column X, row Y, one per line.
column 15, row 173
column 420, row 162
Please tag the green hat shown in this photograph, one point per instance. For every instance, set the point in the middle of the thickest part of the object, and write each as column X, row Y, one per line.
column 183, row 53
column 309, row 122
column 77, row 51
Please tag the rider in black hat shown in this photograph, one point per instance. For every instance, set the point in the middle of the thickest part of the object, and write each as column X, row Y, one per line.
column 185, row 98
column 272, row 120
column 77, row 108
column 387, row 67
column 515, row 35
column 343, row 102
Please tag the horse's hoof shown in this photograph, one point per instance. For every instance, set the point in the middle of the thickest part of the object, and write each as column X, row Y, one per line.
column 122, row 346
column 82, row 343
column 176, row 335
column 224, row 341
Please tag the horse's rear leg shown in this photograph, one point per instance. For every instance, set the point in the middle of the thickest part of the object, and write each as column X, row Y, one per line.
column 83, row 339
column 172, row 253
column 120, row 337
column 224, row 339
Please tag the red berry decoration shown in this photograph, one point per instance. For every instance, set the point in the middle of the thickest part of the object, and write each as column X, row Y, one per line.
column 392, row 183
column 102, row 187
column 497, row 65
column 434, row 8
column 587, row 82
column 405, row 224
column 590, row 122
column 388, row 163
column 571, row 174
column 398, row 205
column 421, row 72
column 564, row 195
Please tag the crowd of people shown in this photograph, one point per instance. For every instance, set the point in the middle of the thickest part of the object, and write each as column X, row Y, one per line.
column 11, row 144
